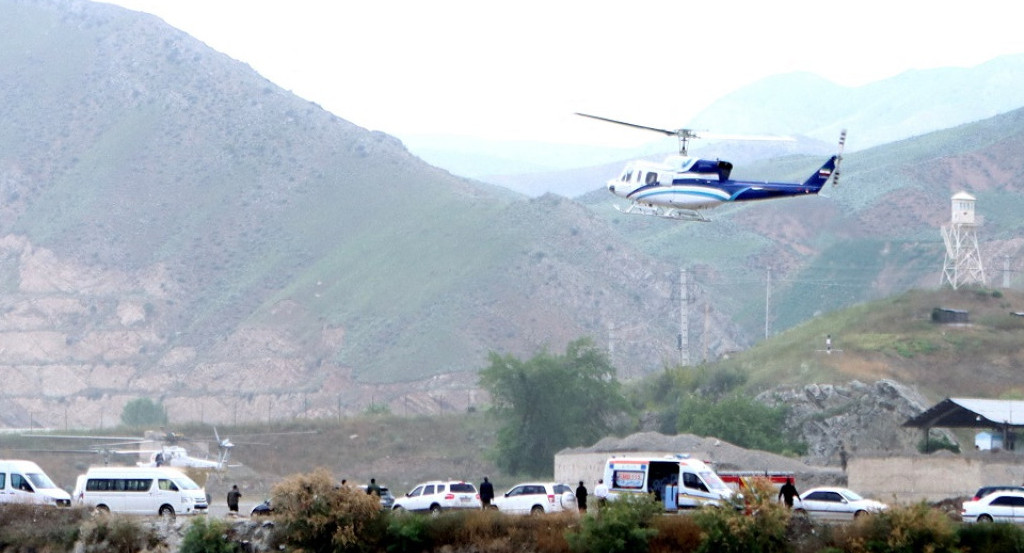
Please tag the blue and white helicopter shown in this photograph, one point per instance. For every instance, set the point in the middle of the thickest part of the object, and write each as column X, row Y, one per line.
column 681, row 186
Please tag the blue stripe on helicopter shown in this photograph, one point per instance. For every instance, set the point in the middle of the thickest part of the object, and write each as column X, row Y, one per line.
column 715, row 193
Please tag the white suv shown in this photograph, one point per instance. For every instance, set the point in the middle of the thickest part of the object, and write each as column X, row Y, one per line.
column 536, row 498
column 438, row 496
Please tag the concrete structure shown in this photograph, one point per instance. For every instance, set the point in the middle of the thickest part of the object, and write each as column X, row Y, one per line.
column 930, row 478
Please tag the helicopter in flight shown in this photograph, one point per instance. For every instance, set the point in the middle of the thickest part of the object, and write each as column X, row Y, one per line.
column 681, row 186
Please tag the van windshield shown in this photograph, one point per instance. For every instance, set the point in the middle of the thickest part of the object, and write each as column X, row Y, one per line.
column 186, row 484
column 40, row 481
column 713, row 481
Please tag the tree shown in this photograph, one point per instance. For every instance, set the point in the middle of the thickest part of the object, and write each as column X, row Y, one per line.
column 549, row 403
column 740, row 420
column 143, row 412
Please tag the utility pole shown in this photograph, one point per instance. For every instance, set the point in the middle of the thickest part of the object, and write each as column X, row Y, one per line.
column 1006, row 271
column 767, row 302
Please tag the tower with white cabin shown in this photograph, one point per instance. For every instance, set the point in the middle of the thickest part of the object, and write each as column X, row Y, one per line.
column 963, row 257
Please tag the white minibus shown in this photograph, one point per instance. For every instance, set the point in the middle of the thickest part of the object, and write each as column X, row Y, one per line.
column 140, row 490
column 25, row 482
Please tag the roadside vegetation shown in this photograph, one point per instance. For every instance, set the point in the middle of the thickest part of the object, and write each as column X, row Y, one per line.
column 314, row 513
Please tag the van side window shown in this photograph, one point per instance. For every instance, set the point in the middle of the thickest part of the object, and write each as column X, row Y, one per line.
column 3, row 480
column 690, row 480
column 19, row 482
column 167, row 485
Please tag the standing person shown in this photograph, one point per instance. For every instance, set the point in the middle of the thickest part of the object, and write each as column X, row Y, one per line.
column 601, row 493
column 581, row 497
column 373, row 488
column 787, row 492
column 233, row 497
column 486, row 493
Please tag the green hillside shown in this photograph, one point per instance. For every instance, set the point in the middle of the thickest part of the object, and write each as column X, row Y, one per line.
column 130, row 146
column 875, row 234
column 896, row 338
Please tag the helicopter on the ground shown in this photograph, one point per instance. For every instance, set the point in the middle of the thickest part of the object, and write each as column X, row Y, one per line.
column 153, row 449
column 681, row 186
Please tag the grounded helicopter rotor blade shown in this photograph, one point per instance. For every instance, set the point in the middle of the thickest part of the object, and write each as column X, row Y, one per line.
column 678, row 132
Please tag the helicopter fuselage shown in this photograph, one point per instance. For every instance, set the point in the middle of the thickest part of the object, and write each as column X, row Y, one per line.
column 688, row 183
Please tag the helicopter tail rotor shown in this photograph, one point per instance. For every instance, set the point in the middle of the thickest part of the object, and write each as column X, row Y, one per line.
column 839, row 158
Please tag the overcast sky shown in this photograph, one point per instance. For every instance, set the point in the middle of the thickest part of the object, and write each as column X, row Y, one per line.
column 519, row 69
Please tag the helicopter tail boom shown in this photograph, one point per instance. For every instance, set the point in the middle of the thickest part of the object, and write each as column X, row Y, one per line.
column 822, row 175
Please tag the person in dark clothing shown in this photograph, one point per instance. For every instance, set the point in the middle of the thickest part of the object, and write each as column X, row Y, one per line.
column 486, row 493
column 373, row 488
column 787, row 492
column 233, row 497
column 581, row 497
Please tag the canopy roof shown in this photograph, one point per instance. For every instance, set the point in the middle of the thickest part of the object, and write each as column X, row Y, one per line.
column 970, row 413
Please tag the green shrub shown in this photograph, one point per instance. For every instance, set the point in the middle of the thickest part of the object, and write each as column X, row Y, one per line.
column 36, row 527
column 758, row 525
column 676, row 534
column 904, row 529
column 625, row 525
column 408, row 533
column 117, row 534
column 208, row 536
column 314, row 512
column 991, row 538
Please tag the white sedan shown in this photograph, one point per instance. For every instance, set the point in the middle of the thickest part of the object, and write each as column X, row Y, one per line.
column 1003, row 506
column 835, row 504
column 536, row 498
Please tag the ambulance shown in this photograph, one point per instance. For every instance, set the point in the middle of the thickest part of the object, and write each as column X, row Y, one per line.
column 678, row 482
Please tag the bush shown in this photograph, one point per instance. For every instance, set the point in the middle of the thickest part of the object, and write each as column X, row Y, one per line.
column 625, row 525
column 313, row 512
column 757, row 523
column 676, row 534
column 991, row 538
column 118, row 534
column 908, row 529
column 205, row 536
column 37, row 527
column 478, row 531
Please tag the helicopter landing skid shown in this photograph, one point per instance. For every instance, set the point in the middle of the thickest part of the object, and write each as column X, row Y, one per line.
column 668, row 213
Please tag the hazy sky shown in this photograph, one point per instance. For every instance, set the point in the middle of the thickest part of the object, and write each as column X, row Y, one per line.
column 519, row 69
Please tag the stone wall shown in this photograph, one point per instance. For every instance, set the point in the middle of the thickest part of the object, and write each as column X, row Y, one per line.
column 930, row 478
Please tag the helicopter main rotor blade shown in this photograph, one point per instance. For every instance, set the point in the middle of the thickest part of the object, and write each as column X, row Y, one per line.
column 634, row 125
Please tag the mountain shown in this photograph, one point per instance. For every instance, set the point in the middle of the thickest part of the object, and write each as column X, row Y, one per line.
column 876, row 234
column 175, row 226
column 802, row 105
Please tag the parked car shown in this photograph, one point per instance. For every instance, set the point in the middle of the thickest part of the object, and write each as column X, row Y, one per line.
column 982, row 492
column 262, row 510
column 536, row 498
column 437, row 496
column 387, row 499
column 835, row 504
column 998, row 506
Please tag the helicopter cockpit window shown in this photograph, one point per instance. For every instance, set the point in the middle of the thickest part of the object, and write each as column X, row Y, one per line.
column 652, row 178
column 627, row 176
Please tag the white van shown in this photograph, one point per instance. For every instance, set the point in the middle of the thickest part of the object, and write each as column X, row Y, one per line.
column 140, row 490
column 25, row 482
column 678, row 482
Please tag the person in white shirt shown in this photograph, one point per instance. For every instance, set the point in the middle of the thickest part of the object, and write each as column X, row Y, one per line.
column 601, row 493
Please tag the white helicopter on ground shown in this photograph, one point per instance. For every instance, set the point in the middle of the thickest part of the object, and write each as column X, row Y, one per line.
column 681, row 186
column 154, row 448
column 177, row 456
